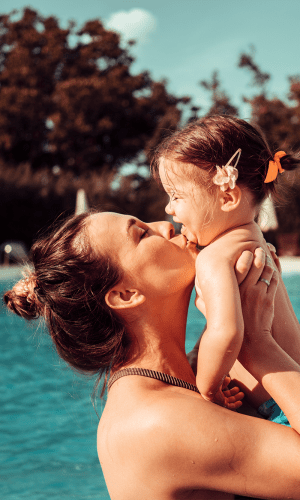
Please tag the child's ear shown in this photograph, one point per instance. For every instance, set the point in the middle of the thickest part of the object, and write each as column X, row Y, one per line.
column 230, row 199
column 121, row 298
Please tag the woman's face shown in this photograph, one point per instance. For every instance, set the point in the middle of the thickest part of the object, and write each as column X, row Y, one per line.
column 151, row 257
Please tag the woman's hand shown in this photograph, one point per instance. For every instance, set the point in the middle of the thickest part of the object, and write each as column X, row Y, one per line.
column 274, row 257
column 257, row 296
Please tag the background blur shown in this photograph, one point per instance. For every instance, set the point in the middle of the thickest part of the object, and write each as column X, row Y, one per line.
column 88, row 89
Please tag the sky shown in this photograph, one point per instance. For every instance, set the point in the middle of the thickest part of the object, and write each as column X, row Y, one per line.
column 184, row 41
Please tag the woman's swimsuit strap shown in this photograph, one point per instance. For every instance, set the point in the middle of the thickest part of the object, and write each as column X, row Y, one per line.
column 163, row 377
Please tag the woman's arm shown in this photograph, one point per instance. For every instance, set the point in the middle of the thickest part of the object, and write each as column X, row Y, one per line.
column 286, row 332
column 201, row 446
column 271, row 366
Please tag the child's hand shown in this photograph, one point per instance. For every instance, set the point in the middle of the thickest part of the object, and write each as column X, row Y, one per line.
column 229, row 398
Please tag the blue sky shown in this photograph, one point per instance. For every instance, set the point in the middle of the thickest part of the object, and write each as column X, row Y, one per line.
column 185, row 40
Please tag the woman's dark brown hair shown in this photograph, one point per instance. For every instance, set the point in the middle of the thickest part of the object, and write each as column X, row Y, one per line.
column 212, row 141
column 67, row 287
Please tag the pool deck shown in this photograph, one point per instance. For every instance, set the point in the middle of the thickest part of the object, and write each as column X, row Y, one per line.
column 290, row 264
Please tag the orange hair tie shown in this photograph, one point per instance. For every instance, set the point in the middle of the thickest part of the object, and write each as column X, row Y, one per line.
column 275, row 167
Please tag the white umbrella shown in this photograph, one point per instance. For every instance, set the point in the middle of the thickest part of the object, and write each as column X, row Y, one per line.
column 267, row 219
column 81, row 202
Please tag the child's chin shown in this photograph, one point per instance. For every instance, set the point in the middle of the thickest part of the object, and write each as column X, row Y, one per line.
column 189, row 237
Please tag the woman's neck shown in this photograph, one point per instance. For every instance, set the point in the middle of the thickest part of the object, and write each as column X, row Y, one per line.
column 159, row 337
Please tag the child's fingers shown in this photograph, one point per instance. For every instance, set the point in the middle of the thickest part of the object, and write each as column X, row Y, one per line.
column 234, row 406
column 234, row 402
column 237, row 397
column 233, row 394
column 225, row 382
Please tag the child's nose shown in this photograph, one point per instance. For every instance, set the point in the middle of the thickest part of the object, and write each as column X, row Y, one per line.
column 168, row 209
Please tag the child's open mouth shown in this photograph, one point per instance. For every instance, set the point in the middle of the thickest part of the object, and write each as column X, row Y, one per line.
column 189, row 238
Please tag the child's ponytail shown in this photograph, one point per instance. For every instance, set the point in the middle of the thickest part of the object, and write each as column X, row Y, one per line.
column 290, row 162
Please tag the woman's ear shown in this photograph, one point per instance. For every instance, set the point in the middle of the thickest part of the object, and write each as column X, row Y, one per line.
column 230, row 199
column 120, row 298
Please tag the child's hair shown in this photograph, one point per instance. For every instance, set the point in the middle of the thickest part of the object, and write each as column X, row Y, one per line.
column 67, row 287
column 212, row 141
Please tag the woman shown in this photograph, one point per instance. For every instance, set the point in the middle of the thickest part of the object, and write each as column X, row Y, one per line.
column 115, row 294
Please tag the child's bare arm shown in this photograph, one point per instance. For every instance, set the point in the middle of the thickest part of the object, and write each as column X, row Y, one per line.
column 220, row 344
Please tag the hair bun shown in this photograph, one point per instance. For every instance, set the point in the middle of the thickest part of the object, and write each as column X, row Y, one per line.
column 23, row 300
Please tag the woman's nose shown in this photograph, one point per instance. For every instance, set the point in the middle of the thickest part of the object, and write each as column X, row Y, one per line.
column 164, row 228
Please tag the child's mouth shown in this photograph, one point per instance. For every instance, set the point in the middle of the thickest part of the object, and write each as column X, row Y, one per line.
column 184, row 232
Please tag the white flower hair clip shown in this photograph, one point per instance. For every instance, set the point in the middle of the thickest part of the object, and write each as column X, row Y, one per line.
column 227, row 175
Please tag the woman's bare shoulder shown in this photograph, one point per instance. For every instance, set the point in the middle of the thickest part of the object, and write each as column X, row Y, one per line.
column 181, row 438
column 148, row 453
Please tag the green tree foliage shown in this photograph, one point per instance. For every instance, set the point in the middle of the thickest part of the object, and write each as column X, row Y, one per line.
column 71, row 109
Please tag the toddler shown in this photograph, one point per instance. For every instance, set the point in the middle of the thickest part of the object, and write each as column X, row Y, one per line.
column 217, row 171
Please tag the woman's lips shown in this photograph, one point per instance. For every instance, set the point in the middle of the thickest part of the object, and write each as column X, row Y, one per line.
column 179, row 240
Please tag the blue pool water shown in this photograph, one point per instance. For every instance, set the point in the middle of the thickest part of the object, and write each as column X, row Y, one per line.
column 47, row 421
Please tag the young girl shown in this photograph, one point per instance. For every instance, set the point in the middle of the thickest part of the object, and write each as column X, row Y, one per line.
column 217, row 171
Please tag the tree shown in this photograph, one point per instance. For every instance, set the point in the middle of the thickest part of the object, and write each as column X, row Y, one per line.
column 280, row 123
column 220, row 102
column 76, row 106
column 75, row 113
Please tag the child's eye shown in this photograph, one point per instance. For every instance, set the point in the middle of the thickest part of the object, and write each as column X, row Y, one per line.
column 173, row 197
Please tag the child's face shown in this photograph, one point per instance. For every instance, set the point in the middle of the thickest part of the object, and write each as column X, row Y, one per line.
column 190, row 204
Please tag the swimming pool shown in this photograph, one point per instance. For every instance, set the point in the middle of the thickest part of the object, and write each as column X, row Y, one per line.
column 47, row 421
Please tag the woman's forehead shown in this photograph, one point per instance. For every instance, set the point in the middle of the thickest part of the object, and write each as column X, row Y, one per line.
column 108, row 222
column 109, row 217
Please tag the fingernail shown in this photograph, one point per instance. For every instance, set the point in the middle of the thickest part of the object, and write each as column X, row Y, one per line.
column 271, row 247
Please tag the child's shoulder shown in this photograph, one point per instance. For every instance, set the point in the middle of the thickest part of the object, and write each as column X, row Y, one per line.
column 230, row 245
column 247, row 234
